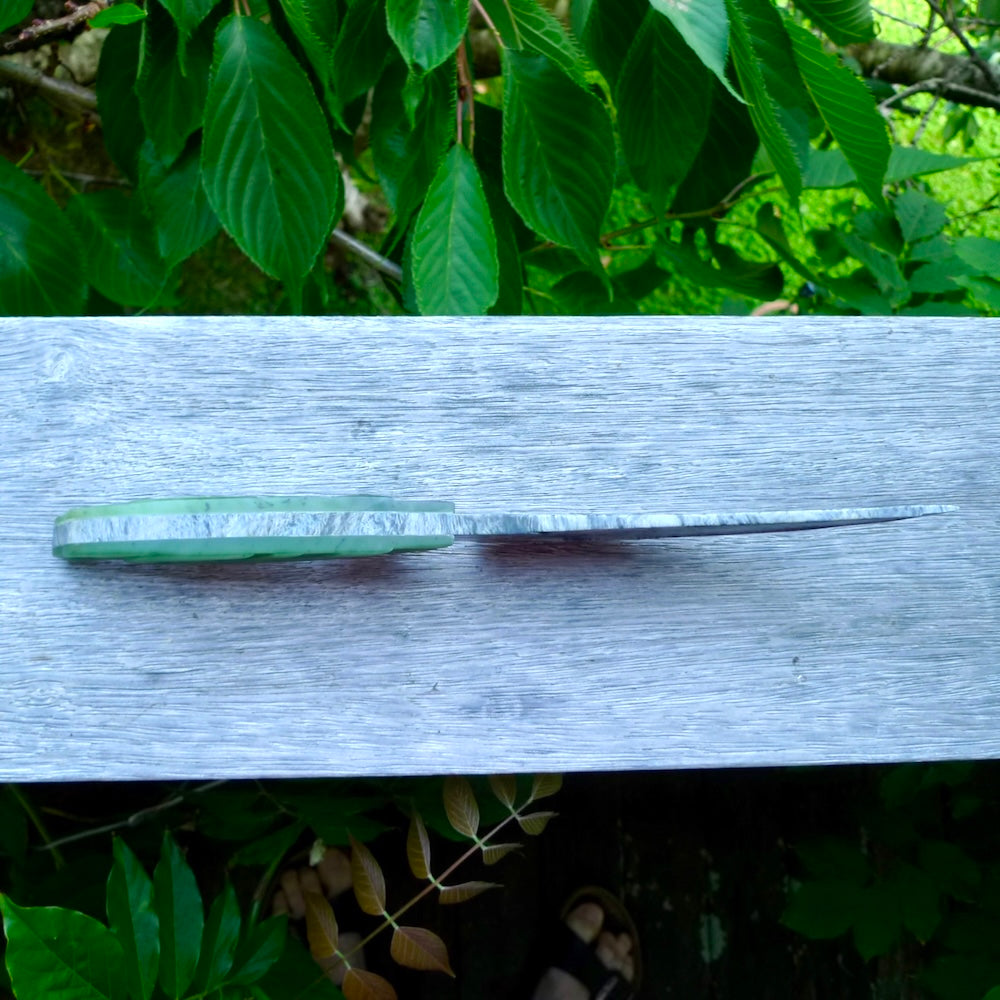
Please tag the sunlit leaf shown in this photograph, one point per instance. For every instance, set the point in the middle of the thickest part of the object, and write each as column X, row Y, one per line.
column 369, row 882
column 492, row 853
column 178, row 904
column 544, row 785
column 419, row 948
column 52, row 952
column 843, row 21
column 321, row 926
column 660, row 134
column 504, row 788
column 704, row 25
column 558, row 154
column 981, row 253
column 121, row 13
column 848, row 109
column 460, row 806
column 426, row 32
column 360, row 984
column 455, row 269
column 41, row 259
column 465, row 891
column 534, row 823
column 828, row 168
column 418, row 847
column 133, row 919
column 222, row 935
column 267, row 157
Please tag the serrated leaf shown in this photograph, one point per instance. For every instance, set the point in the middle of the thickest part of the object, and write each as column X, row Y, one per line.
column 188, row 14
column 12, row 11
column 883, row 267
column 171, row 102
column 176, row 199
column 544, row 785
column 510, row 276
column 121, row 121
column 41, row 258
column 847, row 108
column 52, row 952
column 419, row 948
column 360, row 984
column 761, row 280
column 828, row 168
column 455, row 270
column 267, row 158
column 704, row 25
column 492, row 853
column 321, row 927
column 660, row 134
column 525, row 24
column 759, row 58
column 369, row 882
column 361, row 50
column 460, row 806
column 609, row 30
column 121, row 259
column 317, row 49
column 258, row 952
column 449, row 894
column 843, row 21
column 179, row 907
column 121, row 13
column 222, row 935
column 534, row 823
column 981, row 253
column 418, row 848
column 133, row 920
column 426, row 32
column 504, row 788
column 558, row 154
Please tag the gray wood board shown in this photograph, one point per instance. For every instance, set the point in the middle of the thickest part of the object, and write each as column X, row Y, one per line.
column 870, row 643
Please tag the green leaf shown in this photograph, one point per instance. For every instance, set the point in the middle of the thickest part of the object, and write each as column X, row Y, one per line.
column 584, row 294
column 426, row 32
column 62, row 954
column 258, row 952
column 834, row 859
column 919, row 901
column 121, row 121
column 760, row 280
column 843, row 21
column 299, row 14
column 264, row 850
column 455, row 270
column 661, row 135
column 222, row 934
column 171, row 101
column 828, row 168
column 133, row 920
column 120, row 254
column 558, row 154
column 267, row 158
column 525, row 24
column 294, row 974
column 704, row 25
column 610, row 29
column 121, row 13
column 176, row 199
column 178, row 904
column 878, row 922
column 823, row 909
column 847, row 108
column 883, row 267
column 12, row 11
column 41, row 260
column 771, row 228
column 981, row 253
column 361, row 50
column 188, row 14
column 510, row 276
column 919, row 216
column 772, row 87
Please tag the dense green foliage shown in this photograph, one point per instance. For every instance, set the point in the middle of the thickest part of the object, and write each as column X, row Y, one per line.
column 641, row 144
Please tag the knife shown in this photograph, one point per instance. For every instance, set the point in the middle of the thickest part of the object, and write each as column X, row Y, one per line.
column 199, row 529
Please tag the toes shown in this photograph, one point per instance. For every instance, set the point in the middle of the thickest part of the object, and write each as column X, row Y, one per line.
column 292, row 888
column 335, row 872
column 585, row 921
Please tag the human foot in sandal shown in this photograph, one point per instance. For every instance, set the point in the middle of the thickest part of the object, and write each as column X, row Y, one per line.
column 597, row 954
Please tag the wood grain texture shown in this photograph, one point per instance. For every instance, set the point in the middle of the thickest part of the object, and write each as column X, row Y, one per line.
column 856, row 644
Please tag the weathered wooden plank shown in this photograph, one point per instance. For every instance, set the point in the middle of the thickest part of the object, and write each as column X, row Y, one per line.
column 874, row 643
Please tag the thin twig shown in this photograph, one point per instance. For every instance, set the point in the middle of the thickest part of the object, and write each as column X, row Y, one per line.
column 481, row 11
column 953, row 27
column 893, row 17
column 42, row 32
column 921, row 128
column 466, row 96
column 371, row 257
column 36, row 822
column 85, row 179
column 922, row 87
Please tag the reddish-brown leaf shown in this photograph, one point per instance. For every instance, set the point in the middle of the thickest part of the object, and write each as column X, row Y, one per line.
column 419, row 948
column 504, row 788
column 545, row 785
column 418, row 847
column 467, row 890
column 321, row 926
column 460, row 805
column 534, row 823
column 492, row 853
column 360, row 984
column 369, row 882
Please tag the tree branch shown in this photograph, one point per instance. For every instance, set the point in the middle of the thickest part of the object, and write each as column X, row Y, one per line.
column 42, row 32
column 949, row 19
column 69, row 96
